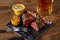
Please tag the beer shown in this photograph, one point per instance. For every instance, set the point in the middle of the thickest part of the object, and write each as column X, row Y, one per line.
column 44, row 7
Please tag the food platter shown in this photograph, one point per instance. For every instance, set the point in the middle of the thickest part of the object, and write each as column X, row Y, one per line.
column 29, row 32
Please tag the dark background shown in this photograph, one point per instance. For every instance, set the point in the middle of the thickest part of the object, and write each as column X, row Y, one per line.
column 53, row 33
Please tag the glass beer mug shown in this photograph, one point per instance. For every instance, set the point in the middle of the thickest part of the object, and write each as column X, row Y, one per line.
column 44, row 7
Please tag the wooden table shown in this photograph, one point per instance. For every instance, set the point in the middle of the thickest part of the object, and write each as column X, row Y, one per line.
column 53, row 33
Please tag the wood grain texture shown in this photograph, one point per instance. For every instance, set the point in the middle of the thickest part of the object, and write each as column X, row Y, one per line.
column 53, row 33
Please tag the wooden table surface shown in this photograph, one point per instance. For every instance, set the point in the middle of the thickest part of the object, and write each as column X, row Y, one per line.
column 53, row 33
